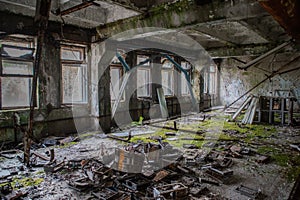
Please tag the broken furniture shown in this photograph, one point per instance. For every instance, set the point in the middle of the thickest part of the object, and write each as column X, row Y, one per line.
column 176, row 191
column 249, row 192
column 267, row 109
column 272, row 106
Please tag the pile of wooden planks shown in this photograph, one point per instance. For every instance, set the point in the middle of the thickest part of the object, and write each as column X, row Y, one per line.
column 252, row 101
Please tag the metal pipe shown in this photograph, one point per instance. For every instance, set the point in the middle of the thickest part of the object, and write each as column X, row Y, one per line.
column 256, row 60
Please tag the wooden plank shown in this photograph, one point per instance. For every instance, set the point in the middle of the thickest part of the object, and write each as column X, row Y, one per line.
column 246, row 102
column 253, row 110
column 248, row 112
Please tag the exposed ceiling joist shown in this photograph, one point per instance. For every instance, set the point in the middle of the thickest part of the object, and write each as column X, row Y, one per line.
column 83, row 5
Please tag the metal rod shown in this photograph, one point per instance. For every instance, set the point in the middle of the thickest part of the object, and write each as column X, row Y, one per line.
column 76, row 8
column 256, row 60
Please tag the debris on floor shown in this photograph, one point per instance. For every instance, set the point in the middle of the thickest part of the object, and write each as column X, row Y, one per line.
column 237, row 166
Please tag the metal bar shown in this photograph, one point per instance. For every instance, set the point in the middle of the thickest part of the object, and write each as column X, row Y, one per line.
column 76, row 8
column 256, row 60
column 123, row 62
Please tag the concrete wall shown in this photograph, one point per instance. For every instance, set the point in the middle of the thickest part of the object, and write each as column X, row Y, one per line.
column 235, row 82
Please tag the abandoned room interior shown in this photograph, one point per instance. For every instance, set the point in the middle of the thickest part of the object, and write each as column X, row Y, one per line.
column 150, row 100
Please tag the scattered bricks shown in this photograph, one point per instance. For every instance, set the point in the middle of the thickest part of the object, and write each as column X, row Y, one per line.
column 203, row 180
column 105, row 194
column 226, row 162
column 136, row 183
column 5, row 188
column 235, row 148
column 249, row 192
column 218, row 175
column 175, row 191
column 188, row 181
column 262, row 159
column 160, row 175
column 198, row 191
column 190, row 156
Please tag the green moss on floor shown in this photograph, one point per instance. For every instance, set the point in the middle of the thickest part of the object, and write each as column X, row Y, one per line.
column 25, row 182
column 69, row 144
column 86, row 135
column 293, row 173
column 266, row 150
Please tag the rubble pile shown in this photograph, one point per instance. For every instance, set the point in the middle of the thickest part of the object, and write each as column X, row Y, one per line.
column 136, row 171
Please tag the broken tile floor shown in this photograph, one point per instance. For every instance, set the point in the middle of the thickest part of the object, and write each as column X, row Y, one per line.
column 200, row 156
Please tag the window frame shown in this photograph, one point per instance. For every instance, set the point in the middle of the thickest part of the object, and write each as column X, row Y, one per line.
column 120, row 68
column 147, row 67
column 20, row 44
column 168, row 70
column 182, row 76
column 83, row 64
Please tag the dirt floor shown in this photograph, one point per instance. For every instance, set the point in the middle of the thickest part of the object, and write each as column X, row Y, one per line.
column 200, row 156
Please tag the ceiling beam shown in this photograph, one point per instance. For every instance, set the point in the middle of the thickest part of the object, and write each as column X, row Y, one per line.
column 75, row 8
column 115, row 2
column 184, row 13
column 240, row 50
column 19, row 24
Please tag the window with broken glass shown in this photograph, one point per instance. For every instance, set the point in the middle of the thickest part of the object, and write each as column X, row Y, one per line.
column 143, row 77
column 74, row 74
column 116, row 73
column 210, row 79
column 184, row 83
column 16, row 73
column 167, row 75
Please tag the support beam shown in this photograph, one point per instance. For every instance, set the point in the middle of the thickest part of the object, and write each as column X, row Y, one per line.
column 239, row 50
column 256, row 60
column 83, row 5
column 41, row 19
column 184, row 13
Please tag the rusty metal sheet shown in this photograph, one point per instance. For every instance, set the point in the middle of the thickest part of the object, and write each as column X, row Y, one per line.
column 286, row 13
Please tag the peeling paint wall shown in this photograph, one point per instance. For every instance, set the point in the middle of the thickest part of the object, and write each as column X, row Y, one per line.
column 236, row 82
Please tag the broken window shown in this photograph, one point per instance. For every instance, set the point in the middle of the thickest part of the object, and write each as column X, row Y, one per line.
column 143, row 77
column 16, row 73
column 184, row 83
column 116, row 74
column 167, row 75
column 210, row 79
column 74, row 75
